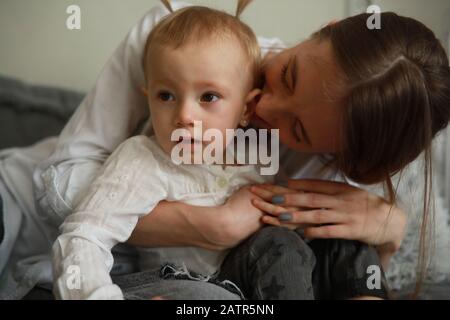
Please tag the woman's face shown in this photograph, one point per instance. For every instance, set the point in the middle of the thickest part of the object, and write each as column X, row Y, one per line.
column 301, row 97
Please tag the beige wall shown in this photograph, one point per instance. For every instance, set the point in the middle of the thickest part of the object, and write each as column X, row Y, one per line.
column 433, row 13
column 35, row 44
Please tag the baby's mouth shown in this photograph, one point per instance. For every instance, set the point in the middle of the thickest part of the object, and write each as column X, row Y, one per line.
column 188, row 140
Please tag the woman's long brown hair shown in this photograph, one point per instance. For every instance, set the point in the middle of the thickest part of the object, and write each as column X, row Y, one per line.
column 398, row 81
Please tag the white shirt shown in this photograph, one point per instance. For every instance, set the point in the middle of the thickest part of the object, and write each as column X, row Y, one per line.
column 133, row 181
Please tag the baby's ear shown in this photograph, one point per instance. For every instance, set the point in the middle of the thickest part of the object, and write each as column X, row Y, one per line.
column 250, row 101
column 144, row 91
column 249, row 108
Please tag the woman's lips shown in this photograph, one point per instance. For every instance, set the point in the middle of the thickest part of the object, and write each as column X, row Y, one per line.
column 261, row 123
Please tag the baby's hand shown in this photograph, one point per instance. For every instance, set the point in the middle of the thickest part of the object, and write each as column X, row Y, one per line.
column 240, row 217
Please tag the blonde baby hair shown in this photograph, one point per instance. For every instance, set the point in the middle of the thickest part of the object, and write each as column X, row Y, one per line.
column 197, row 23
column 241, row 5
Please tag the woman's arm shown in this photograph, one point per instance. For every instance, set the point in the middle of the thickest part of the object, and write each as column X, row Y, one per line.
column 89, row 138
column 216, row 228
column 335, row 210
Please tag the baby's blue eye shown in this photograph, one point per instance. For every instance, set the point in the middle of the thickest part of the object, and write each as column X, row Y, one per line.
column 166, row 96
column 210, row 97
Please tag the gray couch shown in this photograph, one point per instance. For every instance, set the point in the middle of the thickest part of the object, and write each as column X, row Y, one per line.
column 29, row 113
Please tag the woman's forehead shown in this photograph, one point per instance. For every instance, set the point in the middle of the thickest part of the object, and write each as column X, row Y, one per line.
column 316, row 53
column 318, row 71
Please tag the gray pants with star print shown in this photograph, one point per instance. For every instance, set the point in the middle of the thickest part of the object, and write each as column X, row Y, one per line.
column 277, row 263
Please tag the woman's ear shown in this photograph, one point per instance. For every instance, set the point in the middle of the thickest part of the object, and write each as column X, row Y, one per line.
column 144, row 91
column 249, row 107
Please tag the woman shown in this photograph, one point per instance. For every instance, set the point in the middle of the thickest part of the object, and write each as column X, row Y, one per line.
column 387, row 81
column 313, row 90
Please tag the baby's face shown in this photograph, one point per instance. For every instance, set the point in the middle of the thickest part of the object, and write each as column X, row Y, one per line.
column 208, row 81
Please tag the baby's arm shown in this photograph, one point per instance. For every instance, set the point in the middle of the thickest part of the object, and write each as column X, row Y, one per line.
column 128, row 187
column 216, row 228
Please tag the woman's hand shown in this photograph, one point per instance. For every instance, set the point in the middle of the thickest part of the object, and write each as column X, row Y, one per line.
column 333, row 210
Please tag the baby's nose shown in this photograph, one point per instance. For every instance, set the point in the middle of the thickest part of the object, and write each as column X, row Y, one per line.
column 185, row 116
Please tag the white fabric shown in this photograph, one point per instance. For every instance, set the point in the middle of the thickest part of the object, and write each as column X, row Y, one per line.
column 25, row 256
column 403, row 266
column 133, row 181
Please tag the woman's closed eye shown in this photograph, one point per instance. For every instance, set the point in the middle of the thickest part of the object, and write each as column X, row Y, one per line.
column 166, row 96
column 289, row 75
column 284, row 80
column 210, row 97
column 300, row 133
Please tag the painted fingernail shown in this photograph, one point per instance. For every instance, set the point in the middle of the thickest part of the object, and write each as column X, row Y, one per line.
column 286, row 216
column 277, row 199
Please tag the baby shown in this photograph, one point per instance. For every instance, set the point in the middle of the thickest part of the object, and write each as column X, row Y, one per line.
column 201, row 65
